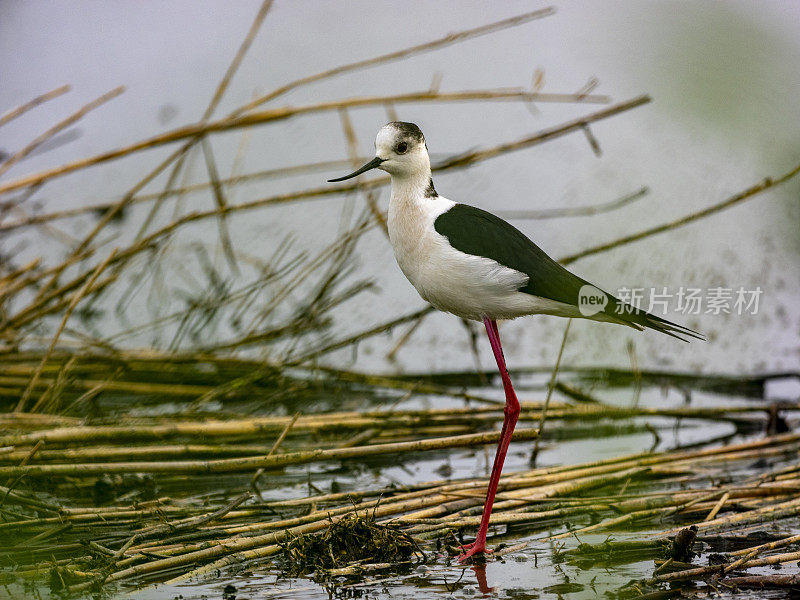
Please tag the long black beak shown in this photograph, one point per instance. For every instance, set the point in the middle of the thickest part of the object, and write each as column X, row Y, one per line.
column 370, row 165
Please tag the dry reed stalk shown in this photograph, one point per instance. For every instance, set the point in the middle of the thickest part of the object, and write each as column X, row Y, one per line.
column 550, row 387
column 60, row 126
column 787, row 541
column 17, row 273
column 779, row 510
column 222, row 205
column 754, row 190
column 352, row 151
column 718, row 506
column 701, row 572
column 33, row 103
column 140, row 452
column 451, row 38
column 165, row 389
column 574, row 211
column 23, row 282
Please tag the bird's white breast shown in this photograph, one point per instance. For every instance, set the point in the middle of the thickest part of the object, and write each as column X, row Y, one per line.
column 469, row 286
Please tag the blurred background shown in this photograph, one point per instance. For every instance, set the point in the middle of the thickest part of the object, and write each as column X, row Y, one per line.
column 724, row 115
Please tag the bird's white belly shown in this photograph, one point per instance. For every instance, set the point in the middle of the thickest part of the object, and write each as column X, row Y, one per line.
column 471, row 287
column 467, row 286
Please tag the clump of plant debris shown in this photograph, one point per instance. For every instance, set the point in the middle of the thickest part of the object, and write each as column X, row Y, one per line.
column 681, row 547
column 353, row 538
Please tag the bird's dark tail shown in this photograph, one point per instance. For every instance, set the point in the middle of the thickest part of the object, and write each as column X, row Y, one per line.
column 640, row 319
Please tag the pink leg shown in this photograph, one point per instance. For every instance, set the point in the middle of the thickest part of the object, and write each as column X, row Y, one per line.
column 511, row 413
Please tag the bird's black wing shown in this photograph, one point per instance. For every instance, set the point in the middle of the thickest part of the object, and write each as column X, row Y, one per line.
column 480, row 233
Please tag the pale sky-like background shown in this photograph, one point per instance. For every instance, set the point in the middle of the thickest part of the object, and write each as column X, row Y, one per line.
column 725, row 114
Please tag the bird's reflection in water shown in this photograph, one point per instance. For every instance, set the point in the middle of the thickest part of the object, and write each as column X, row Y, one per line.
column 480, row 575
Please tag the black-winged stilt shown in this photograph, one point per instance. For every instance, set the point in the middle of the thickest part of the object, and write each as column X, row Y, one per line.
column 466, row 261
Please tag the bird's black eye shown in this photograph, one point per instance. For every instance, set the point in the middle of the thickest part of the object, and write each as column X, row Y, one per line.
column 402, row 147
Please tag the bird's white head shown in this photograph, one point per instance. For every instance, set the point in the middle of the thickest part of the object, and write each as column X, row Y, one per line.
column 400, row 150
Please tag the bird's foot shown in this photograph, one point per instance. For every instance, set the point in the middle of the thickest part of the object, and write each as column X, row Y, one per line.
column 472, row 549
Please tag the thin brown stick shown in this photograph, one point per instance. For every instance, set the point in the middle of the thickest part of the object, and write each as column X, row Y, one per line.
column 787, row 541
column 451, row 38
column 61, row 125
column 701, row 572
column 754, row 190
column 718, row 506
column 23, row 108
column 352, row 151
column 353, row 339
column 577, row 211
column 222, row 206
column 275, row 446
column 550, row 387
column 238, row 58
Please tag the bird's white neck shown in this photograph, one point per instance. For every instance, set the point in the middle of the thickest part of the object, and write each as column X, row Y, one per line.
column 412, row 188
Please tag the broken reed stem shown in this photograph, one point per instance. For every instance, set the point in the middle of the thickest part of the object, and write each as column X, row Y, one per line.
column 754, row 190
column 353, row 339
column 769, row 546
column 718, row 506
column 73, row 303
column 60, row 126
column 352, row 150
column 275, row 446
column 222, row 87
column 575, row 211
column 451, row 38
column 222, row 206
column 22, row 109
column 701, row 572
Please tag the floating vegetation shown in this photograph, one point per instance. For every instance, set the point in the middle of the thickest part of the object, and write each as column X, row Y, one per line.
column 356, row 538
